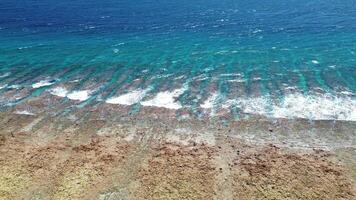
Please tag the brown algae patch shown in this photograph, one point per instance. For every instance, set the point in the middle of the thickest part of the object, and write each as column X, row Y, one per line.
column 90, row 168
column 73, row 184
column 59, row 169
column 271, row 174
column 14, row 179
column 175, row 172
column 89, row 160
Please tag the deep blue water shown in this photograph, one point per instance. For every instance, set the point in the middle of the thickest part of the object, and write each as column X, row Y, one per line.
column 281, row 58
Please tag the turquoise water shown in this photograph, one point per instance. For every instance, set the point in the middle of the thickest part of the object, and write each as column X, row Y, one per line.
column 278, row 59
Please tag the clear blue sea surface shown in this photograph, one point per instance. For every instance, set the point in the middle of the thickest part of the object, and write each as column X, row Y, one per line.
column 278, row 58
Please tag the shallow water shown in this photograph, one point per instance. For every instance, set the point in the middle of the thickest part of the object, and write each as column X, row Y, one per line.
column 288, row 59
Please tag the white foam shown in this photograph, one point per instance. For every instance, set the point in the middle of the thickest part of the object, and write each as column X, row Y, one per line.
column 200, row 77
column 221, row 52
column 256, row 105
column 59, row 91
column 290, row 88
column 257, row 31
column 166, row 99
column 347, row 93
column 208, row 69
column 14, row 86
column 210, row 102
column 24, row 112
column 257, row 79
column 315, row 62
column 80, row 95
column 237, row 81
column 230, row 74
column 313, row 106
column 161, row 76
column 129, row 98
column 3, row 86
column 179, row 77
column 42, row 83
column 24, row 47
column 5, row 75
column 323, row 107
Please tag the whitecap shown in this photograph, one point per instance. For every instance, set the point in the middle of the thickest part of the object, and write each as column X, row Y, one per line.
column 25, row 47
column 3, row 86
column 166, row 99
column 5, row 75
column 221, row 52
column 236, row 81
column 24, row 112
column 80, row 95
column 315, row 62
column 208, row 69
column 179, row 77
column 14, row 86
column 323, row 107
column 290, row 88
column 161, row 76
column 210, row 102
column 59, row 91
column 257, row 31
column 257, row 105
column 347, row 93
column 129, row 98
column 296, row 105
column 90, row 27
column 257, row 78
column 201, row 77
column 230, row 74
column 119, row 44
column 74, row 81
column 42, row 83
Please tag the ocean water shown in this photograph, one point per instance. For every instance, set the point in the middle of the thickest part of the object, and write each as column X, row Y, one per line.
column 284, row 59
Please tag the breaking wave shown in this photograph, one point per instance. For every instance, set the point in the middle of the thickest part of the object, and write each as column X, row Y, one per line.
column 42, row 83
column 166, row 99
column 314, row 107
column 130, row 98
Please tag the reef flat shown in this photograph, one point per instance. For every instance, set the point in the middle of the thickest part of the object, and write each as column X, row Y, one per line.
column 83, row 156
